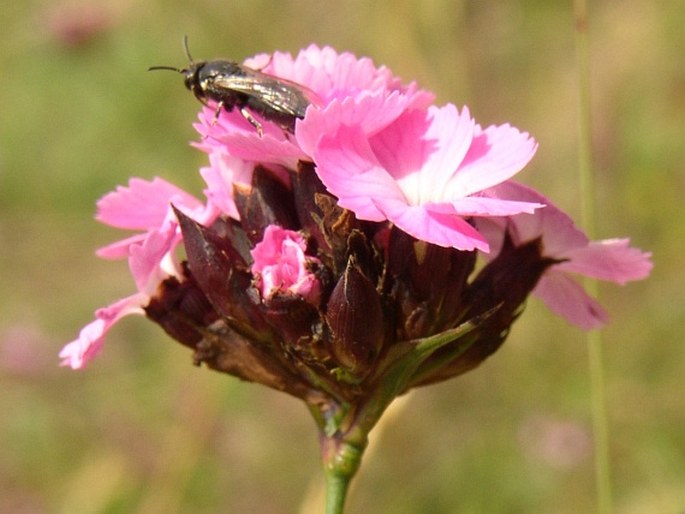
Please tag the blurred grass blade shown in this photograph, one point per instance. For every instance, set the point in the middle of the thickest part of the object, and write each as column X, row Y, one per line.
column 587, row 195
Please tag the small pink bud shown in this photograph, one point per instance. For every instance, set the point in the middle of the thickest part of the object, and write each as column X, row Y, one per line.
column 280, row 265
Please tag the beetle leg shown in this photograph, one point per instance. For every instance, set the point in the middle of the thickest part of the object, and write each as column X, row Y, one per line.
column 219, row 106
column 252, row 120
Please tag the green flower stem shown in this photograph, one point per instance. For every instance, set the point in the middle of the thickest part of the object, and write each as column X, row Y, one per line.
column 341, row 462
column 344, row 427
column 336, row 492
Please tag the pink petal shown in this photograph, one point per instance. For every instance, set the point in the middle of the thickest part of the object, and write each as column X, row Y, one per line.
column 331, row 75
column 223, row 172
column 440, row 228
column 568, row 299
column 557, row 229
column 328, row 72
column 146, row 205
column 119, row 249
column 381, row 178
column 269, row 148
column 349, row 170
column 482, row 206
column 496, row 154
column 370, row 112
column 609, row 259
column 79, row 352
column 422, row 150
column 143, row 204
column 452, row 132
column 232, row 134
column 147, row 260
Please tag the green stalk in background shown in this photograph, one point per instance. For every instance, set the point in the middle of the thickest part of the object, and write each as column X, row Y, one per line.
column 587, row 190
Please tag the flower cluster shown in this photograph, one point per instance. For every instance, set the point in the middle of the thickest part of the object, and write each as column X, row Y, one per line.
column 338, row 262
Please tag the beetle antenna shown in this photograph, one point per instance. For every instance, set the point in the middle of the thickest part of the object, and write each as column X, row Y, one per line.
column 171, row 68
column 185, row 48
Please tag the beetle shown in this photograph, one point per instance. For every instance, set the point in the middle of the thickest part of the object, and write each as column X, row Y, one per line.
column 232, row 85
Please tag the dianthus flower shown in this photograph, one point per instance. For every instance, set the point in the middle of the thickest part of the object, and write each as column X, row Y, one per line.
column 334, row 257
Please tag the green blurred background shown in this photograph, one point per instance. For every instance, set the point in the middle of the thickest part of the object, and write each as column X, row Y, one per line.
column 142, row 431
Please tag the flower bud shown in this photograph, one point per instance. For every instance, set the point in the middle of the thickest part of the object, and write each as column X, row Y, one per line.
column 222, row 275
column 180, row 308
column 281, row 265
column 428, row 283
column 355, row 319
column 306, row 187
column 502, row 285
column 267, row 202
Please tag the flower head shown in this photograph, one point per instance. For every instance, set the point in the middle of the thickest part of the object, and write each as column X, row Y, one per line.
column 335, row 256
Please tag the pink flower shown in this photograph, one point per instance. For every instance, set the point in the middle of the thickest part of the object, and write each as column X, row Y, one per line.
column 146, row 206
column 281, row 265
column 368, row 166
column 150, row 262
column 423, row 171
column 328, row 77
column 79, row 352
column 609, row 259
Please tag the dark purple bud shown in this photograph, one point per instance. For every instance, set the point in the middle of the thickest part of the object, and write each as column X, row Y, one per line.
column 366, row 257
column 503, row 285
column 355, row 318
column 267, row 202
column 429, row 281
column 507, row 280
column 222, row 275
column 230, row 229
column 306, row 187
column 180, row 308
column 336, row 225
column 292, row 317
